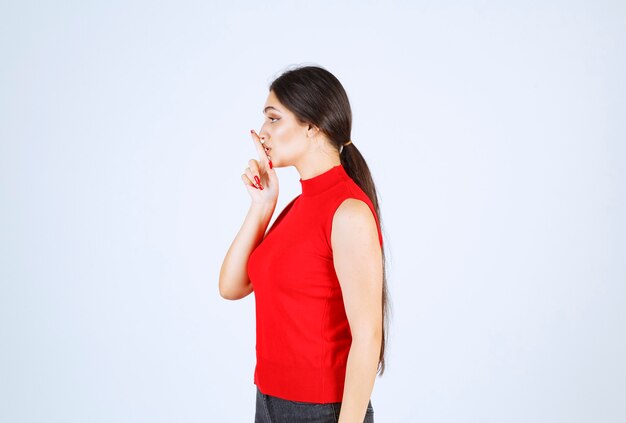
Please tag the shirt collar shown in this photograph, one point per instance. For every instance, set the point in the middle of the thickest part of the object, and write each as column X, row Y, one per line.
column 323, row 181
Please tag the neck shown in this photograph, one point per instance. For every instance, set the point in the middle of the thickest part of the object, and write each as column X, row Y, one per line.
column 313, row 168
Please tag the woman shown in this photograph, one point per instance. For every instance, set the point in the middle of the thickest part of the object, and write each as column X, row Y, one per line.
column 318, row 274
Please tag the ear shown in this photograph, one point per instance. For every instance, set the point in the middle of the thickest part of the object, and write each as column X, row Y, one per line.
column 312, row 130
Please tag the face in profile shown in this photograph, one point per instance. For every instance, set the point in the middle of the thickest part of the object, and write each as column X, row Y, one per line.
column 284, row 138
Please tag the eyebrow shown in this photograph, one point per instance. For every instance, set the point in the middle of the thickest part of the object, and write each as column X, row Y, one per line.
column 270, row 107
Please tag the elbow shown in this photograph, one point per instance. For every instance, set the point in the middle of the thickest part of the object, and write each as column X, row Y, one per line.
column 222, row 287
column 234, row 294
column 367, row 337
column 225, row 285
column 225, row 293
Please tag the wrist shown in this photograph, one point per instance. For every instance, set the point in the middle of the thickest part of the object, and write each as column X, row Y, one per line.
column 263, row 209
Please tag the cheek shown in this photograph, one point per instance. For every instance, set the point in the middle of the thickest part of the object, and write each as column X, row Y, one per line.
column 284, row 134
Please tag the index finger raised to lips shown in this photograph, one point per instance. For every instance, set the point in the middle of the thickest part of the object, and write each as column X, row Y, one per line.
column 259, row 147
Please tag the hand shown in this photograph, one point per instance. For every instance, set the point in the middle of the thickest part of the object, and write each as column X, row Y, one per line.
column 267, row 191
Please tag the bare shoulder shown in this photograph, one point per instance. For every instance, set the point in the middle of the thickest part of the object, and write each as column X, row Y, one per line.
column 353, row 220
column 352, row 208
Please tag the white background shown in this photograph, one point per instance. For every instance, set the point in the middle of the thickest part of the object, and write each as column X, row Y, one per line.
column 495, row 132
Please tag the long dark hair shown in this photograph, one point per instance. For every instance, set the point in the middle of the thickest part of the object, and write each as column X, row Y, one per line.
column 314, row 95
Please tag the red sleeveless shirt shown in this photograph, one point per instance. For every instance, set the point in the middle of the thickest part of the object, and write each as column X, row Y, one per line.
column 302, row 333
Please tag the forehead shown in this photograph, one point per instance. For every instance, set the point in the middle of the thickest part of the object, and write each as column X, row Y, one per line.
column 272, row 104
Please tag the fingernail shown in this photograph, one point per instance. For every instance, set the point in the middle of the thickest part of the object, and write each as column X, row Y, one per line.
column 257, row 180
column 271, row 166
column 252, row 131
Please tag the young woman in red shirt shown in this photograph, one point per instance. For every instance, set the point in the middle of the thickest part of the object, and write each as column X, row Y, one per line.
column 318, row 274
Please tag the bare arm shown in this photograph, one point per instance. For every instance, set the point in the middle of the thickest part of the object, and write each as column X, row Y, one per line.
column 234, row 283
column 357, row 256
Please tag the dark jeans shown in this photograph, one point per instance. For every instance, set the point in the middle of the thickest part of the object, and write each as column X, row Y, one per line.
column 270, row 409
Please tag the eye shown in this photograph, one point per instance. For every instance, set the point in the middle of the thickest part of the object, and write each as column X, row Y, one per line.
column 273, row 118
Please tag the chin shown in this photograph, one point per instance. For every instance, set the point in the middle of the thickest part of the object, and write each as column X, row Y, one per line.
column 276, row 162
